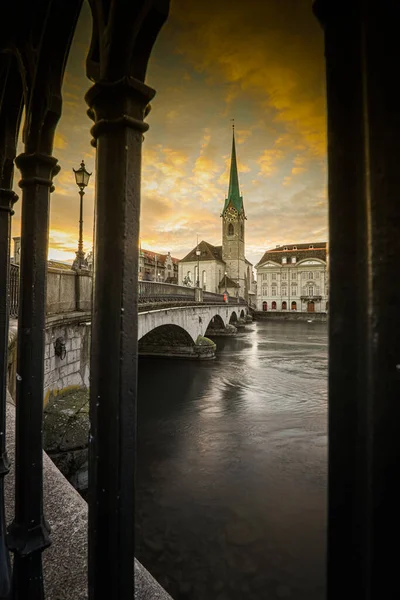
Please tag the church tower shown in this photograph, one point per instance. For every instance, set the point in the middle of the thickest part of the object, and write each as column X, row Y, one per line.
column 233, row 228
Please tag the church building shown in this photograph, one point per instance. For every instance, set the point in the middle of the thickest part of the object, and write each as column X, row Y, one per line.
column 222, row 268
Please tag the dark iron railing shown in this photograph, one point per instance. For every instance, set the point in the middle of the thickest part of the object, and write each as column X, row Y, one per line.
column 152, row 291
column 14, row 290
column 213, row 298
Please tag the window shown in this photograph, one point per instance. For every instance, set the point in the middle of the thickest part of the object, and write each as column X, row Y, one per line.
column 242, row 232
column 273, row 275
column 318, row 291
column 310, row 275
column 284, row 291
column 169, row 267
column 284, row 305
column 285, row 247
column 265, row 290
column 284, row 260
column 294, row 248
column 317, row 275
column 293, row 259
column 304, row 274
column 311, row 290
column 196, row 274
column 294, row 275
column 273, row 291
column 294, row 290
column 284, row 275
column 311, row 246
column 231, row 229
column 273, row 306
column 204, row 280
column 294, row 306
column 265, row 276
column 265, row 306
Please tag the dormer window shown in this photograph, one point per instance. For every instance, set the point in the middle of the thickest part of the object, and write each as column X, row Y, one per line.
column 294, row 247
column 311, row 246
column 285, row 248
column 293, row 260
column 284, row 260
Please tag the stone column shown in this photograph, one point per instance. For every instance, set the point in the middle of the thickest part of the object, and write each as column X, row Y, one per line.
column 118, row 111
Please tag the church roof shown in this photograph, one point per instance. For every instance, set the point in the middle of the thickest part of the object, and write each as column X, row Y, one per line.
column 207, row 252
column 227, row 282
column 234, row 198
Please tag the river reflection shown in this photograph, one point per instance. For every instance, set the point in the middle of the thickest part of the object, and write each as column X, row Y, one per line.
column 232, row 461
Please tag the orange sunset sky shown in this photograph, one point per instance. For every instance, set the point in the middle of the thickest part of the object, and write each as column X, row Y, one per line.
column 259, row 62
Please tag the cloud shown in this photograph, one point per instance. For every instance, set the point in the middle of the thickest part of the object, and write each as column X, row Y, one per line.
column 269, row 160
column 272, row 50
column 260, row 63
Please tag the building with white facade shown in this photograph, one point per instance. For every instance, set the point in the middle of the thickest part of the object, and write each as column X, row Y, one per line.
column 294, row 277
column 223, row 268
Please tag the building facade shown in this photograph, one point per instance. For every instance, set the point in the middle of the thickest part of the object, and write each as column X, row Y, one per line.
column 294, row 278
column 223, row 268
column 157, row 267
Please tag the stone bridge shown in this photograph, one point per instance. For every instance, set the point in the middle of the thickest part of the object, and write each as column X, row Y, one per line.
column 183, row 331
column 174, row 321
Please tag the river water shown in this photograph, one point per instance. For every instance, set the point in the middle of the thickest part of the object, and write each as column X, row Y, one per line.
column 232, row 467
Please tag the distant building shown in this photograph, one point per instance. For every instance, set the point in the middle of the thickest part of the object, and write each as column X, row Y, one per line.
column 294, row 278
column 219, row 268
column 157, row 267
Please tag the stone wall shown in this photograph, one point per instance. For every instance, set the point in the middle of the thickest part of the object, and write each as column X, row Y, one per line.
column 72, row 371
column 276, row 315
column 68, row 291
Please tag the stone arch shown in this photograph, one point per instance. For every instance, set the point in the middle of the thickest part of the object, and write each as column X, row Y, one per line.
column 231, row 229
column 233, row 318
column 216, row 323
column 242, row 314
column 165, row 336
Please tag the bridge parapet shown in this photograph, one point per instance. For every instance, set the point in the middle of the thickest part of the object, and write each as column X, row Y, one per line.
column 70, row 291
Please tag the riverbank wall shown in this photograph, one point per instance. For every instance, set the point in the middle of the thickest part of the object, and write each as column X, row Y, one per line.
column 289, row 316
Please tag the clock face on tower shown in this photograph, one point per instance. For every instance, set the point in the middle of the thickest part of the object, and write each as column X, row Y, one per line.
column 231, row 214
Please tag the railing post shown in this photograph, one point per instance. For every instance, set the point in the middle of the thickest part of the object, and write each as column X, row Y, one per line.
column 7, row 200
column 118, row 111
column 29, row 534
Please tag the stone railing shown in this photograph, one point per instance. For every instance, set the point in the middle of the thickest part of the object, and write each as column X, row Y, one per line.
column 67, row 291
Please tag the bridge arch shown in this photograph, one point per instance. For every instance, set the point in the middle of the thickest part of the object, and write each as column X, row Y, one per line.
column 170, row 338
column 174, row 334
column 216, row 322
column 233, row 317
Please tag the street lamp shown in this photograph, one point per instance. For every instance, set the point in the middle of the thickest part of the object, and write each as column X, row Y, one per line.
column 198, row 263
column 82, row 179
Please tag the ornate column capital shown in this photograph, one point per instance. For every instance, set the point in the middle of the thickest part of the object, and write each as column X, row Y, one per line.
column 7, row 200
column 123, row 103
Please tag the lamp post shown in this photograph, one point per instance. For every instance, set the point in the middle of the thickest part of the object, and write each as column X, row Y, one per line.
column 82, row 179
column 198, row 263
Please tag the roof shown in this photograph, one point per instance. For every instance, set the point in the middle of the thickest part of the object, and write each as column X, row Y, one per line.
column 234, row 198
column 207, row 252
column 57, row 264
column 161, row 258
column 301, row 251
column 227, row 282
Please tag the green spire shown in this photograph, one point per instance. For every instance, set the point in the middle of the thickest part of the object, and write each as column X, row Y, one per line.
column 234, row 196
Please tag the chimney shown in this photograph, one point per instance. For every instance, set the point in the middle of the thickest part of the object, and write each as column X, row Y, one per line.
column 17, row 250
